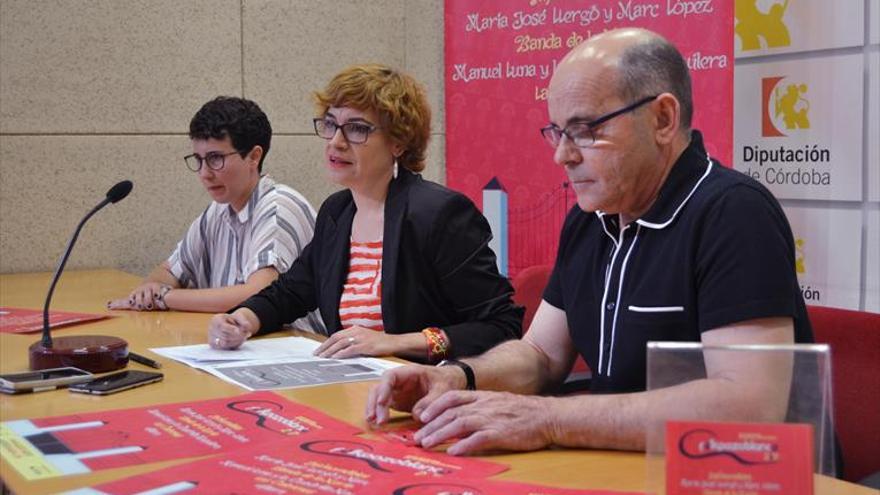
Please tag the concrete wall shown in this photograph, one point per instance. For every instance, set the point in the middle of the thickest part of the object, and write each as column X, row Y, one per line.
column 93, row 92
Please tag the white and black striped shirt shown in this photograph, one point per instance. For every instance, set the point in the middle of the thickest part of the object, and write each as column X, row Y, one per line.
column 222, row 248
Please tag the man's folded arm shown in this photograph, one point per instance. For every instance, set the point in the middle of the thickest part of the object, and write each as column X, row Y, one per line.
column 740, row 386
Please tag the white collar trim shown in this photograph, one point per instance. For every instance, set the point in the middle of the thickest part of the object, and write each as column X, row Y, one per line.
column 680, row 206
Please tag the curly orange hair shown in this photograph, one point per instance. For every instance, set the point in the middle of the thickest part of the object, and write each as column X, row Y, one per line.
column 396, row 97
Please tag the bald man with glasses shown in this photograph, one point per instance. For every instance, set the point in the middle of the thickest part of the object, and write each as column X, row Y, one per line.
column 664, row 244
column 253, row 230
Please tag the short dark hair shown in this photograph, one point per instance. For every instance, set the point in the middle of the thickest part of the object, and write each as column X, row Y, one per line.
column 240, row 119
column 652, row 67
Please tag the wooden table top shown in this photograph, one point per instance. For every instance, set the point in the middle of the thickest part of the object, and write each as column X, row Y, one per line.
column 88, row 291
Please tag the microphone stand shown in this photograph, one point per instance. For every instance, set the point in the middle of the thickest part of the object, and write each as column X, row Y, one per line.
column 95, row 353
column 47, row 336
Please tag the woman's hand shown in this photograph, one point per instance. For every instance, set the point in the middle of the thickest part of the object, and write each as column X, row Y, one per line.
column 360, row 341
column 143, row 298
column 229, row 331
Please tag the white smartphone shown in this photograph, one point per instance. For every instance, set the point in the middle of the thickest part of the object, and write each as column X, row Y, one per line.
column 35, row 381
column 117, row 382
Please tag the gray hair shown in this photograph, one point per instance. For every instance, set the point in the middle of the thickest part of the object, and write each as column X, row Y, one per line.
column 655, row 66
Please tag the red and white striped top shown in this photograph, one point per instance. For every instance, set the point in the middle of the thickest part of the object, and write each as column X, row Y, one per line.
column 361, row 302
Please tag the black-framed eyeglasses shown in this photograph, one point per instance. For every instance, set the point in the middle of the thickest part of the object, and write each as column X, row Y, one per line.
column 215, row 161
column 353, row 132
column 581, row 132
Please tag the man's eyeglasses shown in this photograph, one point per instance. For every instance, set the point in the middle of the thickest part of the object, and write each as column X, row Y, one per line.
column 581, row 132
column 215, row 161
column 353, row 132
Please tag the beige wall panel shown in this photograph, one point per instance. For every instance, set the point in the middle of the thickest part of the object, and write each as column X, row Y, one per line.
column 298, row 162
column 424, row 53
column 47, row 184
column 125, row 78
column 294, row 47
column 114, row 66
column 435, row 169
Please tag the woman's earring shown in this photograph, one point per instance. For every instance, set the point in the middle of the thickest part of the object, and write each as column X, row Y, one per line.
column 394, row 173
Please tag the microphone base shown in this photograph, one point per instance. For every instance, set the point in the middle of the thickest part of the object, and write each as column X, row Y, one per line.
column 95, row 353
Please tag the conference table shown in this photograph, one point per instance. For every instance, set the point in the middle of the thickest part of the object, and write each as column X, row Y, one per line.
column 88, row 291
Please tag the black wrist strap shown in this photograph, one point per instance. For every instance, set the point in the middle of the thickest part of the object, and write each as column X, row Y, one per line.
column 468, row 372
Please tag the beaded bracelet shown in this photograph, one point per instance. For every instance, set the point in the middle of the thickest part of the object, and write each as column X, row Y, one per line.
column 438, row 344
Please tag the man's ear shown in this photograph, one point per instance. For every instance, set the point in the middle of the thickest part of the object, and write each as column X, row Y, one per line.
column 255, row 154
column 667, row 118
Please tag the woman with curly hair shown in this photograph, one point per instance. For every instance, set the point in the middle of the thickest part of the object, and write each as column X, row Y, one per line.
column 398, row 265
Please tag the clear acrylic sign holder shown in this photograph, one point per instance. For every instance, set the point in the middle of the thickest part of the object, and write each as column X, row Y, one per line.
column 793, row 382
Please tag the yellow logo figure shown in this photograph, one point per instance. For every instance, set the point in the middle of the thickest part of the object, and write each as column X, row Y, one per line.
column 752, row 25
column 799, row 264
column 792, row 106
column 783, row 106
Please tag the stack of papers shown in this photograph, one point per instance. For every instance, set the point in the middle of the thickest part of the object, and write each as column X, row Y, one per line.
column 202, row 355
column 276, row 363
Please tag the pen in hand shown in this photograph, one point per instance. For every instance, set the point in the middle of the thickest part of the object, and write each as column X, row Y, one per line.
column 144, row 360
column 228, row 331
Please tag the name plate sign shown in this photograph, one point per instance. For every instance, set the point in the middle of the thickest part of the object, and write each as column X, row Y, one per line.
column 705, row 458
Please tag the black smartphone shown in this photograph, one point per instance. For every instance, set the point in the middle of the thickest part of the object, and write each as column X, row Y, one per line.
column 48, row 379
column 117, row 382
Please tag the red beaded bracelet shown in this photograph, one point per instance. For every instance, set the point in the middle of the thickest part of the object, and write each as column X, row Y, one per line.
column 438, row 344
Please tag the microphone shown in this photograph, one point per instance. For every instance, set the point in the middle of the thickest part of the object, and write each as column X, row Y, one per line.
column 46, row 354
column 118, row 192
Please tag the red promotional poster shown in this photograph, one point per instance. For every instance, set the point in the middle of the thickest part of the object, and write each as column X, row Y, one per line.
column 401, row 435
column 404, row 434
column 82, row 443
column 482, row 487
column 499, row 58
column 19, row 320
column 313, row 463
column 760, row 459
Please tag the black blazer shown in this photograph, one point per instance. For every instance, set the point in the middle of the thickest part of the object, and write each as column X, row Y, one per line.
column 437, row 269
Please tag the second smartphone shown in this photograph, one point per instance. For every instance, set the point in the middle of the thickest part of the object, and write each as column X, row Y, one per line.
column 117, row 382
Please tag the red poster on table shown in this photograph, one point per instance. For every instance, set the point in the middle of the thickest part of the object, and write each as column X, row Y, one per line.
column 314, row 463
column 82, row 443
column 499, row 58
column 482, row 487
column 761, row 459
column 20, row 320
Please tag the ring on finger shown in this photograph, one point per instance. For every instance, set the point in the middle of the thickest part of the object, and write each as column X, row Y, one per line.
column 350, row 340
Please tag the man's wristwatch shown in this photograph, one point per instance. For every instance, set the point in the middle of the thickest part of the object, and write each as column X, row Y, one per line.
column 468, row 372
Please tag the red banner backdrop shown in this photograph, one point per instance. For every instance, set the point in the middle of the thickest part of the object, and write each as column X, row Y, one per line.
column 500, row 55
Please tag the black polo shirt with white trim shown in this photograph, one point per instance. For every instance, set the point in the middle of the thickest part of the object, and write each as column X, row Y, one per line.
column 714, row 249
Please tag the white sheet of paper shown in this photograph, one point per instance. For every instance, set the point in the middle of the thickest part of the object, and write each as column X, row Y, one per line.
column 276, row 363
column 200, row 355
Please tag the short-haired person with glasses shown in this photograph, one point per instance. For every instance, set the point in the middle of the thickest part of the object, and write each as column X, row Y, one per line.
column 398, row 265
column 664, row 244
column 253, row 230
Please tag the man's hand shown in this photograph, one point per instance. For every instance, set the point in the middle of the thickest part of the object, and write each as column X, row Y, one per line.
column 486, row 421
column 411, row 388
column 358, row 341
column 142, row 298
column 229, row 331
